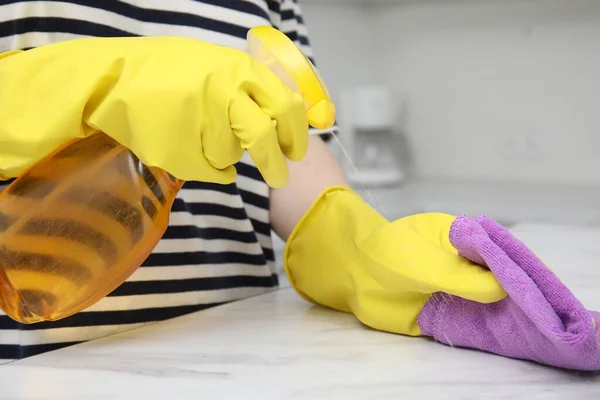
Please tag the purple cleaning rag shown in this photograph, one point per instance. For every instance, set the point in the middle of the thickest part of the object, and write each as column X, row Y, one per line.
column 540, row 319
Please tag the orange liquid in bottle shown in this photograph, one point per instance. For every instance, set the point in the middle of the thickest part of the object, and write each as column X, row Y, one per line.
column 76, row 225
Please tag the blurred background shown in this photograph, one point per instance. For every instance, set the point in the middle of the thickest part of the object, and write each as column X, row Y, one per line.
column 458, row 106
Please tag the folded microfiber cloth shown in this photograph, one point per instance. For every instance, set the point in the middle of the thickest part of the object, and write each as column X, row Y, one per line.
column 540, row 319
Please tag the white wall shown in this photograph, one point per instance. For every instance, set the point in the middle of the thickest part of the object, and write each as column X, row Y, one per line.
column 494, row 89
column 341, row 28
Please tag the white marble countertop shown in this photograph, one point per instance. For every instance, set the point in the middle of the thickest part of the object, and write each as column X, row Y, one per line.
column 276, row 346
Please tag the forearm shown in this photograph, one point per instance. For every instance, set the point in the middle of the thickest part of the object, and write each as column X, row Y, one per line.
column 317, row 171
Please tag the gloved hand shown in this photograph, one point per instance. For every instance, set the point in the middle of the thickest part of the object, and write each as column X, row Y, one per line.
column 186, row 106
column 540, row 320
column 346, row 256
column 428, row 275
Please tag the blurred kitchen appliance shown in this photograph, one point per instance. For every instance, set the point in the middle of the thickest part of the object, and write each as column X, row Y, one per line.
column 368, row 119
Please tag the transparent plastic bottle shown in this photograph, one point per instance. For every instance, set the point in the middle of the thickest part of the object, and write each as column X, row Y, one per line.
column 84, row 218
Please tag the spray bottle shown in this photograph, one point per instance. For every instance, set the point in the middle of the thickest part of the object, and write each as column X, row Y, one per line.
column 78, row 223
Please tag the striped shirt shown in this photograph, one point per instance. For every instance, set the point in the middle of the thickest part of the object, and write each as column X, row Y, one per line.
column 218, row 246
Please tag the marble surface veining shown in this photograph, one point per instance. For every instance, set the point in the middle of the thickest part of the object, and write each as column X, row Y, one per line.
column 276, row 346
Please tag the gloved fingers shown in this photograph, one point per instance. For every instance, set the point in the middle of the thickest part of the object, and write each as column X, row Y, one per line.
column 477, row 283
column 221, row 147
column 270, row 161
column 283, row 106
column 292, row 128
column 401, row 259
column 562, row 300
column 257, row 134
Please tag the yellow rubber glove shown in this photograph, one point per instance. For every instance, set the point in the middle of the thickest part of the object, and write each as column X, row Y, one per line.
column 346, row 256
column 186, row 106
